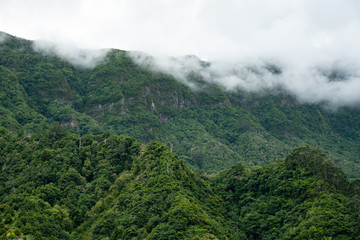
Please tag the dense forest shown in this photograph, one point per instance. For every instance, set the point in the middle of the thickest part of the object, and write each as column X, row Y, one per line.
column 208, row 127
column 60, row 185
column 122, row 151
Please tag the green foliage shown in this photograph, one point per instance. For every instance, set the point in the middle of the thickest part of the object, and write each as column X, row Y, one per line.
column 301, row 197
column 50, row 180
column 208, row 127
column 66, row 175
column 60, row 185
column 159, row 198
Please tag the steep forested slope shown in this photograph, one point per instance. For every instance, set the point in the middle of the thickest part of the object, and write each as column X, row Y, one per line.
column 302, row 197
column 208, row 127
column 51, row 180
column 59, row 185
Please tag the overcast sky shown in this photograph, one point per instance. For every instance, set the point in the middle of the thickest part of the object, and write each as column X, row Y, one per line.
column 207, row 28
column 301, row 33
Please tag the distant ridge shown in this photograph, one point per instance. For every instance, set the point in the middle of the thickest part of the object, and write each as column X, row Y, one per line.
column 210, row 128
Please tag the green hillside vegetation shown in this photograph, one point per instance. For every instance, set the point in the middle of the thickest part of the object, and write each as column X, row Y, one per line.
column 60, row 185
column 210, row 128
column 302, row 197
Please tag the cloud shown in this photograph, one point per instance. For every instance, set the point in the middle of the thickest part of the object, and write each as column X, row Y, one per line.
column 331, row 85
column 295, row 30
column 3, row 37
column 306, row 38
column 339, row 88
column 85, row 58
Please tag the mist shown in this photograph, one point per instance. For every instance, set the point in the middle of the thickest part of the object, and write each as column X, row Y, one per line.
column 83, row 58
column 331, row 84
column 3, row 37
column 313, row 43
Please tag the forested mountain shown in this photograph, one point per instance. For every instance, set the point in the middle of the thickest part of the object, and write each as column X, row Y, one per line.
column 208, row 127
column 81, row 155
column 60, row 185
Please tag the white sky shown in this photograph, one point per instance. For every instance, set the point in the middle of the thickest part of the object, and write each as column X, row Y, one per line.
column 300, row 34
column 211, row 29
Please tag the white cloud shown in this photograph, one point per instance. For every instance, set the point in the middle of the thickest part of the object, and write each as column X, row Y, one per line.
column 86, row 58
column 3, row 37
column 332, row 85
column 299, row 35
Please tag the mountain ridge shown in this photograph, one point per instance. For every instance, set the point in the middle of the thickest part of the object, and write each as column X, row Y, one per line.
column 210, row 128
column 60, row 185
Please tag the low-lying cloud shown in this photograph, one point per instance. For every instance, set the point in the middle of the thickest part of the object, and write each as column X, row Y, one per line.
column 314, row 42
column 332, row 85
column 85, row 58
column 3, row 37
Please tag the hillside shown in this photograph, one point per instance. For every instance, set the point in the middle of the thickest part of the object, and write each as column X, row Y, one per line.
column 60, row 185
column 208, row 127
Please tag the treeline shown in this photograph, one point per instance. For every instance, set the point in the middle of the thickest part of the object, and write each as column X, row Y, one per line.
column 60, row 185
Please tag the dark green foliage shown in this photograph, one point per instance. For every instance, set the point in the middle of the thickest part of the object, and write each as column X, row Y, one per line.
column 65, row 175
column 159, row 198
column 314, row 161
column 60, row 185
column 50, row 180
column 117, row 96
column 303, row 197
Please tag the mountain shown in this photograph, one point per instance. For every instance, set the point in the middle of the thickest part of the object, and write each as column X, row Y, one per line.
column 208, row 127
column 303, row 196
column 60, row 185
column 81, row 154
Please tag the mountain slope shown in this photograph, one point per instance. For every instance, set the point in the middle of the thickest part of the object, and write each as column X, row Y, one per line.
column 59, row 185
column 159, row 198
column 208, row 127
column 302, row 197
